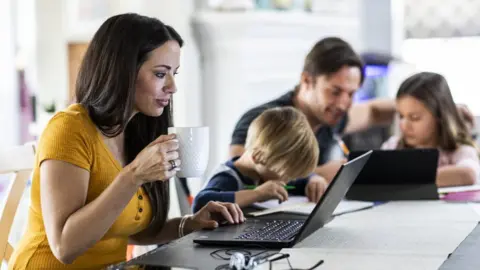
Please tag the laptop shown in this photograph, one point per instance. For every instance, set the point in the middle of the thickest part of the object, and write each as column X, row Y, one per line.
column 407, row 174
column 286, row 233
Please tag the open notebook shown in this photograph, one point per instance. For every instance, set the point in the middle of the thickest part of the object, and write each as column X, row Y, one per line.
column 447, row 190
column 460, row 194
column 301, row 205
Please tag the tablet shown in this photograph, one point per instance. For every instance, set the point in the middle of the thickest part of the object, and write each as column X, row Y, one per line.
column 407, row 174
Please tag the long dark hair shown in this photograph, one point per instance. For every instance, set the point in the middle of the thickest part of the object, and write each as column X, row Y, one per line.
column 432, row 90
column 106, row 88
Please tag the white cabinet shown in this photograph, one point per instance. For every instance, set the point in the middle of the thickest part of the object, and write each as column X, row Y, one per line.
column 251, row 57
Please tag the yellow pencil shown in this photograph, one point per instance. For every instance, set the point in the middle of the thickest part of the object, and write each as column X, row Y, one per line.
column 344, row 147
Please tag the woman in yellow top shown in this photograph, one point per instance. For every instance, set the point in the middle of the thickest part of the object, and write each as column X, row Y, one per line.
column 101, row 175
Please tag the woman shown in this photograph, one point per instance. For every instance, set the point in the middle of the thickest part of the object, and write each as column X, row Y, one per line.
column 429, row 119
column 102, row 168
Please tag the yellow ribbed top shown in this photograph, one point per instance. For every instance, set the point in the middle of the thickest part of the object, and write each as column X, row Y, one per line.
column 72, row 137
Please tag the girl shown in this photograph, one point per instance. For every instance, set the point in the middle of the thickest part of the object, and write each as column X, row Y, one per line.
column 429, row 119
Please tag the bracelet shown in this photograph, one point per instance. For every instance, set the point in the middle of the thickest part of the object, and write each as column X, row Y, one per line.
column 181, row 226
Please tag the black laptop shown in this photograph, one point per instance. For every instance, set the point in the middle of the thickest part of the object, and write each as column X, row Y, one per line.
column 407, row 174
column 285, row 233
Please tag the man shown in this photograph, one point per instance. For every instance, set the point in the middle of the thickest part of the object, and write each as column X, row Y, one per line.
column 331, row 74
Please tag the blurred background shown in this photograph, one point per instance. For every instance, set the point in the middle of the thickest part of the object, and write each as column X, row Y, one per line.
column 237, row 54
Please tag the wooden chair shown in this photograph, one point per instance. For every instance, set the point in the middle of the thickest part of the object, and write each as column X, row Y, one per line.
column 18, row 161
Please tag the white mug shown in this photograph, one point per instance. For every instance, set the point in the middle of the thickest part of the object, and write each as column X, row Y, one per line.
column 194, row 145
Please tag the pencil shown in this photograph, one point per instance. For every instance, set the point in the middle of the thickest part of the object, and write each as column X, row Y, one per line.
column 287, row 187
column 343, row 146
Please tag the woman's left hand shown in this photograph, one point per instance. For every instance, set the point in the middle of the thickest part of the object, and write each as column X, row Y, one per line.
column 214, row 212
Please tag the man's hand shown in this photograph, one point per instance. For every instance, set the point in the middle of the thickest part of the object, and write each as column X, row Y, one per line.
column 315, row 188
column 329, row 169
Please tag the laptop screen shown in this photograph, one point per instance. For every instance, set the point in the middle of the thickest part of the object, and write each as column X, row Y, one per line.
column 335, row 192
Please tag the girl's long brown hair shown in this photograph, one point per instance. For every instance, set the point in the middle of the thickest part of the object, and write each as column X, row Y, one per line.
column 106, row 88
column 433, row 91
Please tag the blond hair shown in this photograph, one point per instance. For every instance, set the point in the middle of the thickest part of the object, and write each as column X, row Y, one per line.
column 282, row 140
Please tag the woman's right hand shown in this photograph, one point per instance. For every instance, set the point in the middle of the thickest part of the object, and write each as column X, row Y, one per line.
column 154, row 162
column 273, row 189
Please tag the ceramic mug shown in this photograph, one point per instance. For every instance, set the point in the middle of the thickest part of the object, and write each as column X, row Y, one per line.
column 194, row 145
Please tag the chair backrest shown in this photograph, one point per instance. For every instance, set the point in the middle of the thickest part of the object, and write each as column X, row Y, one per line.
column 19, row 162
column 183, row 202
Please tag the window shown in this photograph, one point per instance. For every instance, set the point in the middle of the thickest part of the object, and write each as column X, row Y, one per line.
column 458, row 59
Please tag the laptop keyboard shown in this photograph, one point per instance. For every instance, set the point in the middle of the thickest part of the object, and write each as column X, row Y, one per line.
column 273, row 231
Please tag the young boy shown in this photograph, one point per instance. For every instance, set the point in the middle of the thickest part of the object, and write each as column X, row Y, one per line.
column 280, row 146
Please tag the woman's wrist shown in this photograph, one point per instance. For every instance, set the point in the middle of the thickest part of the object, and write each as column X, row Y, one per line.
column 189, row 225
column 129, row 174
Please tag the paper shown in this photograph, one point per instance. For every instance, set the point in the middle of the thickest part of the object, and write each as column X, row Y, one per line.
column 458, row 189
column 351, row 206
column 274, row 203
column 300, row 205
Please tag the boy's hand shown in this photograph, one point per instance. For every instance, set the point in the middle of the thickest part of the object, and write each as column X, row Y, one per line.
column 272, row 189
column 315, row 188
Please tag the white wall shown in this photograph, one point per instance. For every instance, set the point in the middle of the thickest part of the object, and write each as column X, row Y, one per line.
column 382, row 25
column 25, row 32
column 51, row 54
column 9, row 96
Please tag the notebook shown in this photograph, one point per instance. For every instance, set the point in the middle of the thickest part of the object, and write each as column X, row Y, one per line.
column 300, row 205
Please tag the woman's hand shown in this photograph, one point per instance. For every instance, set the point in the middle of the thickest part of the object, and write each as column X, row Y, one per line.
column 214, row 213
column 158, row 161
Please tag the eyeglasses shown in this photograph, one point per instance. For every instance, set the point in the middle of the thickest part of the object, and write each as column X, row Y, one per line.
column 245, row 260
column 286, row 256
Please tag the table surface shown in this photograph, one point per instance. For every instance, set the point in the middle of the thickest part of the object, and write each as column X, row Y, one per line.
column 200, row 257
